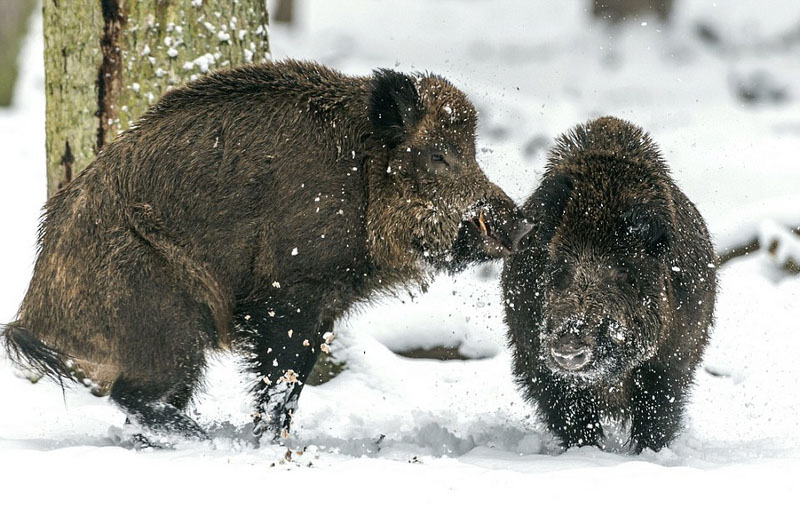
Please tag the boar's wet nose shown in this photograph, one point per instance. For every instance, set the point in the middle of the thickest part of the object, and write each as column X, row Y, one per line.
column 522, row 237
column 571, row 353
column 569, row 342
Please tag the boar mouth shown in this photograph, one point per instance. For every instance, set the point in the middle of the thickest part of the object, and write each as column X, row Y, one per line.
column 483, row 224
column 486, row 232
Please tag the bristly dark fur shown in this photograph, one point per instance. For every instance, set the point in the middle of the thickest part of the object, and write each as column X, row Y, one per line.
column 610, row 307
column 250, row 209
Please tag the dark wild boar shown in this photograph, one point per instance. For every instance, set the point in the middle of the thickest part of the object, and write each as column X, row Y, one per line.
column 250, row 209
column 610, row 306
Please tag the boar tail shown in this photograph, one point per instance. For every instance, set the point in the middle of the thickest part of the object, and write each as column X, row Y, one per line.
column 27, row 351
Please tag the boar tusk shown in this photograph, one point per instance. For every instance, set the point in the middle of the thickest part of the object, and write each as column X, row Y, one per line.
column 482, row 224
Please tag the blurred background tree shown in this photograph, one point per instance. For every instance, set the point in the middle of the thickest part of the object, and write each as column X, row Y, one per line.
column 14, row 16
column 283, row 11
column 618, row 11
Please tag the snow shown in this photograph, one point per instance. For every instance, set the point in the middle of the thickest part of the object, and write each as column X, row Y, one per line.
column 394, row 431
column 202, row 62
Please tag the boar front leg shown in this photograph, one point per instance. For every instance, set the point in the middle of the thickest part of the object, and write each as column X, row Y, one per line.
column 657, row 405
column 282, row 348
column 571, row 414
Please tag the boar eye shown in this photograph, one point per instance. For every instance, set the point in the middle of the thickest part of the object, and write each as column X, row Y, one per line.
column 623, row 275
column 438, row 157
column 561, row 278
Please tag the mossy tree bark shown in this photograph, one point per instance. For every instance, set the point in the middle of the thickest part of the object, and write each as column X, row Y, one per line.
column 107, row 61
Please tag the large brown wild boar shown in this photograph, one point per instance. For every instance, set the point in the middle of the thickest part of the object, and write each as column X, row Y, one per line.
column 250, row 209
column 610, row 306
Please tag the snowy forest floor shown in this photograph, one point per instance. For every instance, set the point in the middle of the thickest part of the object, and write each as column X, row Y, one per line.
column 392, row 431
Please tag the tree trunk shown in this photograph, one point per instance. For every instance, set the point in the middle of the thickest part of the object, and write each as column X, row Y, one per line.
column 107, row 61
column 618, row 11
column 14, row 15
column 284, row 12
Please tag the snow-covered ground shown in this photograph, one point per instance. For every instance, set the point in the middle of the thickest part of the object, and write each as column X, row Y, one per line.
column 392, row 431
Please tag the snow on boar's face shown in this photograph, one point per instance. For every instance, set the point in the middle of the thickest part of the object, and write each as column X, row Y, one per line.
column 429, row 126
column 603, row 282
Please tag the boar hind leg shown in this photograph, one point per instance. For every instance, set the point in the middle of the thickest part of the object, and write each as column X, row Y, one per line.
column 657, row 406
column 283, row 348
column 146, row 406
column 155, row 394
column 160, row 333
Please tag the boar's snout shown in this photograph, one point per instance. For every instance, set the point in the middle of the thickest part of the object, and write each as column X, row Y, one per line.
column 521, row 238
column 502, row 225
column 492, row 228
column 571, row 352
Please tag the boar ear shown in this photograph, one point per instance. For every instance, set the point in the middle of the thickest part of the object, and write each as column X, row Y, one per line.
column 650, row 225
column 394, row 106
column 547, row 204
